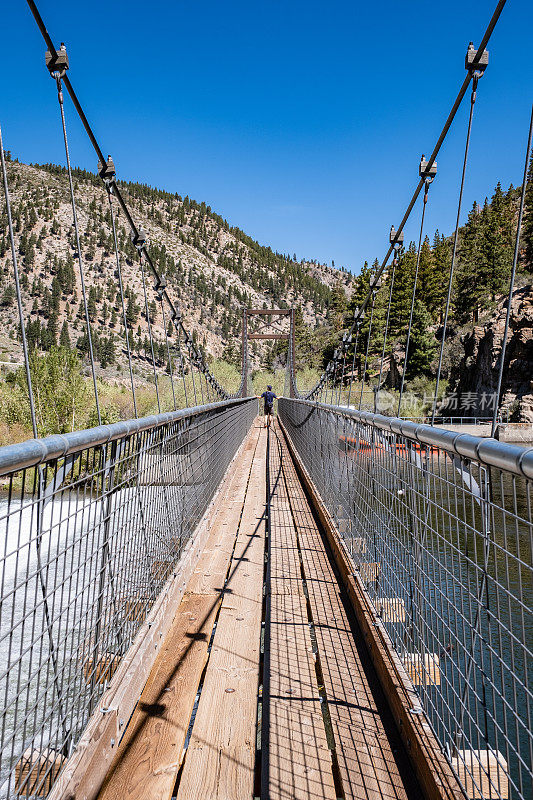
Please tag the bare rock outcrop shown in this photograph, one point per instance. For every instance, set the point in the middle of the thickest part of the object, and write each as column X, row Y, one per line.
column 476, row 374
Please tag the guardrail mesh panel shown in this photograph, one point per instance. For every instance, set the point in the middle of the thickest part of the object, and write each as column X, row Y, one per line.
column 89, row 540
column 443, row 545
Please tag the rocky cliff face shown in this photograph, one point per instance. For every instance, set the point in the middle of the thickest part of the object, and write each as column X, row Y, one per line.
column 476, row 373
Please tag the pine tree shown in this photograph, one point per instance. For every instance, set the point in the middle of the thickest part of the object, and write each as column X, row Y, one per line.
column 361, row 288
column 423, row 345
column 467, row 289
column 442, row 257
column 91, row 303
column 107, row 351
column 496, row 243
column 403, row 289
column 527, row 226
column 64, row 338
column 8, row 297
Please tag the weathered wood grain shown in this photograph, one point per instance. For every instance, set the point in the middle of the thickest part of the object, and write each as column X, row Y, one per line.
column 220, row 760
column 150, row 754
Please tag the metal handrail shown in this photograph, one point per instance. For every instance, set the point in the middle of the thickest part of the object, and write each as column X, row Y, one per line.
column 93, row 526
column 488, row 451
column 33, row 452
column 439, row 529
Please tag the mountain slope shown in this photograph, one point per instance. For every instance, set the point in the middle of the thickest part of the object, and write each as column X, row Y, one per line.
column 213, row 270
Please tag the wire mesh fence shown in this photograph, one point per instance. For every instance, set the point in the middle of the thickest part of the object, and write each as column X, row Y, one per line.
column 92, row 524
column 439, row 528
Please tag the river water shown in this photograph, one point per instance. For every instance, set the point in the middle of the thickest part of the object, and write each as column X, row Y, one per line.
column 43, row 705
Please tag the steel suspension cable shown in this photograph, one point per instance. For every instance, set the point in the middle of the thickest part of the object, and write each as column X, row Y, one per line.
column 385, row 333
column 479, row 55
column 358, row 324
column 52, row 59
column 336, row 364
column 208, row 393
column 413, row 296
column 18, row 290
column 196, row 359
column 374, row 293
column 512, row 279
column 121, row 290
column 206, row 381
column 331, row 386
column 191, row 367
column 150, row 336
column 324, row 389
column 182, row 367
column 475, row 80
column 346, row 341
column 58, row 79
column 206, row 387
column 480, row 52
column 159, row 291
column 39, row 479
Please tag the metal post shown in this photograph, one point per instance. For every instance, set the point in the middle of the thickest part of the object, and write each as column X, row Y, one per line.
column 244, row 351
column 292, row 344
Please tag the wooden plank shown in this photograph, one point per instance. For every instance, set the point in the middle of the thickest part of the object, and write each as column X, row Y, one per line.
column 392, row 609
column 483, row 773
column 268, row 336
column 268, row 311
column 297, row 761
column 369, row 572
column 219, row 762
column 423, row 671
column 367, row 764
column 366, row 757
column 151, row 751
column 86, row 769
column 36, row 771
column 106, row 666
column 436, row 778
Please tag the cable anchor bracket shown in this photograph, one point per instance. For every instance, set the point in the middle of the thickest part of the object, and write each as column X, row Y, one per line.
column 474, row 65
column 139, row 239
column 396, row 239
column 57, row 62
column 107, row 170
column 160, row 287
column 426, row 172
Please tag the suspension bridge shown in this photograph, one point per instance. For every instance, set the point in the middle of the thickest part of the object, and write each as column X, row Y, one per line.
column 197, row 606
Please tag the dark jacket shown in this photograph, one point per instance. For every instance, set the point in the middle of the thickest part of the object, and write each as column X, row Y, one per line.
column 269, row 398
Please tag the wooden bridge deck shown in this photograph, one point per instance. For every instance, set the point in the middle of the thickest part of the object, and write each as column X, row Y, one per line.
column 263, row 687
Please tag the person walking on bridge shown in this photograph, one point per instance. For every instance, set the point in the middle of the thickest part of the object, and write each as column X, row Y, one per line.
column 269, row 398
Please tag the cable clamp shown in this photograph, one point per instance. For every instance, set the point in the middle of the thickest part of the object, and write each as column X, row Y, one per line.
column 57, row 63
column 395, row 239
column 160, row 287
column 427, row 173
column 476, row 68
column 107, row 171
column 139, row 239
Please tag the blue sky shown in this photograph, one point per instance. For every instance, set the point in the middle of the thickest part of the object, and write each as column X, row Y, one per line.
column 301, row 122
